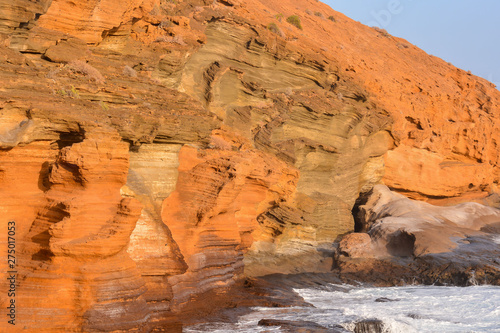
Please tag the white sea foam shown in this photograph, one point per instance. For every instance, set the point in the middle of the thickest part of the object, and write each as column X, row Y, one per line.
column 417, row 308
column 409, row 309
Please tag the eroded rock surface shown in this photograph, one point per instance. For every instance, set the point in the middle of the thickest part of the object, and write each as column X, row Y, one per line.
column 408, row 241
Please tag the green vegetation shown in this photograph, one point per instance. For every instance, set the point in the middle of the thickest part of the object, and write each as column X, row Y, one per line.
column 61, row 92
column 294, row 20
column 74, row 92
column 279, row 16
column 318, row 14
column 104, row 106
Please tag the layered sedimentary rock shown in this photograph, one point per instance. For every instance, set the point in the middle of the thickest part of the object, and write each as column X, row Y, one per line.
column 212, row 213
column 262, row 88
column 76, row 240
column 154, row 153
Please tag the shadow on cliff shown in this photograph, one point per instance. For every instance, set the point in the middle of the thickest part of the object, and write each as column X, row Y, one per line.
column 55, row 213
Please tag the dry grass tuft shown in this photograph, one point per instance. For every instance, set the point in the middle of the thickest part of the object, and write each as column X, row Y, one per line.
column 216, row 142
column 295, row 21
column 79, row 66
column 273, row 27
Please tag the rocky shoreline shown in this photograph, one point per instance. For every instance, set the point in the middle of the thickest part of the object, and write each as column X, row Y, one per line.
column 465, row 253
column 278, row 291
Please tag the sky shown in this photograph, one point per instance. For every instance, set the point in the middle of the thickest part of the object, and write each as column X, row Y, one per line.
column 463, row 32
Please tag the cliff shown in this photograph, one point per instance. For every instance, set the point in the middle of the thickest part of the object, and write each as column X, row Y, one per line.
column 154, row 153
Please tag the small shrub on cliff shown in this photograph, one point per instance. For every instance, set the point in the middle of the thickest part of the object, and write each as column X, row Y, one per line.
column 71, row 92
column 53, row 74
column 279, row 16
column 79, row 66
column 318, row 14
column 402, row 46
column 216, row 142
column 273, row 27
column 103, row 106
column 294, row 20
column 382, row 32
column 74, row 92
column 331, row 18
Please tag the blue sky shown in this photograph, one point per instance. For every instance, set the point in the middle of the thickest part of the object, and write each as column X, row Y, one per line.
column 463, row 32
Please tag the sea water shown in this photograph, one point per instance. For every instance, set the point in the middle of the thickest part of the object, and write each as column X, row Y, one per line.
column 401, row 309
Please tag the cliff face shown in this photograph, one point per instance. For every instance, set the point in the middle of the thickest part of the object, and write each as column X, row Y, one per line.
column 152, row 153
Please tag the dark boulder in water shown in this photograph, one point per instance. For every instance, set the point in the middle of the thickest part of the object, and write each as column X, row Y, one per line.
column 415, row 316
column 299, row 326
column 385, row 300
column 369, row 326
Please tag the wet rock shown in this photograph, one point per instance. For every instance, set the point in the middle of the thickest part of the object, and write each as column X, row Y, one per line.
column 370, row 326
column 385, row 300
column 415, row 316
column 298, row 326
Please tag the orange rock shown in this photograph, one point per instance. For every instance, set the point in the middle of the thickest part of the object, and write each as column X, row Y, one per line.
column 80, row 231
column 430, row 174
column 90, row 20
column 356, row 245
column 213, row 212
column 441, row 114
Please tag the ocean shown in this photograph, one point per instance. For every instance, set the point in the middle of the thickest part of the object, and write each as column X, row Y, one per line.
column 407, row 309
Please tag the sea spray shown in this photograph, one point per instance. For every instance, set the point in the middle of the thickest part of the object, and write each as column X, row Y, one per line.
column 405, row 309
